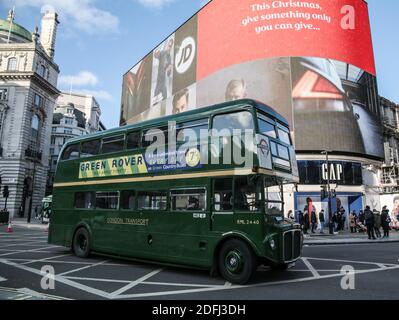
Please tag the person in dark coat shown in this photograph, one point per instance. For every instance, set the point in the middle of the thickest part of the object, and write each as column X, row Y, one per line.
column 322, row 220
column 361, row 216
column 313, row 220
column 306, row 224
column 369, row 219
column 300, row 219
column 385, row 221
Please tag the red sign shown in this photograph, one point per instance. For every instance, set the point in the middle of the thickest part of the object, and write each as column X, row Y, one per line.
column 236, row 31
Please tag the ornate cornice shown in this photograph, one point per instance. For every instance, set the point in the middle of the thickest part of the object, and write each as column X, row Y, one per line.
column 30, row 76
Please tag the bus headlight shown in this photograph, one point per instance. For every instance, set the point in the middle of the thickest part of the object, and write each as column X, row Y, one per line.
column 272, row 244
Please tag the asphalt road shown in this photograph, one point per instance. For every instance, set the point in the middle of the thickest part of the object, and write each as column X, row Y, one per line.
column 318, row 275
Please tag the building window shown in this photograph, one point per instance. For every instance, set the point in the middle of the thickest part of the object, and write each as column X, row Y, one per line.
column 12, row 64
column 68, row 131
column 35, row 125
column 38, row 102
column 3, row 94
column 54, row 129
column 51, row 151
column 42, row 71
column 69, row 121
column 70, row 110
column 53, row 140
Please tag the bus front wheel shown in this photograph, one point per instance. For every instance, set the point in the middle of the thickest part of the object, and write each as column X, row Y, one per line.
column 237, row 262
column 81, row 243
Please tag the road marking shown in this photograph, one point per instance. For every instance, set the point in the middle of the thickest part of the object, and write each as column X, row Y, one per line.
column 44, row 259
column 97, row 279
column 135, row 283
column 23, row 251
column 311, row 268
column 60, row 279
column 264, row 284
column 351, row 261
column 83, row 268
column 184, row 284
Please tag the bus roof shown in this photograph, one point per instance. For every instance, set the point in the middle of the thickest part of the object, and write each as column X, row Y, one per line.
column 223, row 107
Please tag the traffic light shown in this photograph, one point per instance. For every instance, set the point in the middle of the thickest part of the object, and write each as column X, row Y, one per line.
column 6, row 192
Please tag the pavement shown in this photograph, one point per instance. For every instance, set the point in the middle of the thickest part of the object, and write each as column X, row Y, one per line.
column 321, row 273
column 344, row 237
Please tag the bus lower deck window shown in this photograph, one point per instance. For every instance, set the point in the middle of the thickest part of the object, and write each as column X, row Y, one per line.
column 149, row 200
column 107, row 200
column 84, row 200
column 188, row 200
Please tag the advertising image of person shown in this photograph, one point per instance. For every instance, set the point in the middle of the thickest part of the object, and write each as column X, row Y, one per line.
column 180, row 101
column 236, row 89
column 136, row 93
column 165, row 69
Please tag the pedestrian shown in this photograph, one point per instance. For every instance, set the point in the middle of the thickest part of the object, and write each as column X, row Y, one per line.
column 306, row 224
column 291, row 215
column 313, row 220
column 369, row 219
column 300, row 219
column 352, row 221
column 385, row 221
column 343, row 218
column 377, row 223
column 322, row 220
column 335, row 221
column 361, row 216
column 339, row 221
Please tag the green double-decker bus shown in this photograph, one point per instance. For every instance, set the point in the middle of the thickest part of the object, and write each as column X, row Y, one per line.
column 187, row 202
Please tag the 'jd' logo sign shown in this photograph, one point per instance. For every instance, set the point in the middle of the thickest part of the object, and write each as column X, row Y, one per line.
column 185, row 55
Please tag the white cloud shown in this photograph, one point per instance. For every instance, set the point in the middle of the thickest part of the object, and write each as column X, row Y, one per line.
column 79, row 14
column 98, row 94
column 82, row 79
column 154, row 3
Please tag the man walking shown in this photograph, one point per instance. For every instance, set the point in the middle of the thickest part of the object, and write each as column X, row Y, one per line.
column 313, row 219
column 322, row 221
column 377, row 223
column 369, row 219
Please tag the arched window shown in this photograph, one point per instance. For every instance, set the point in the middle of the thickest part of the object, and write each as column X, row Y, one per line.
column 42, row 71
column 12, row 64
column 34, row 137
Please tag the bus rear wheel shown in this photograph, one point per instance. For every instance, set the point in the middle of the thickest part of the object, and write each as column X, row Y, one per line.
column 237, row 262
column 81, row 243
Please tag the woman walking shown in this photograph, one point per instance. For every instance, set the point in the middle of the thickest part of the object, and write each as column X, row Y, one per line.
column 352, row 221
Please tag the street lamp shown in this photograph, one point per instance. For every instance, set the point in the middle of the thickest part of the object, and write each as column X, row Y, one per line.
column 330, row 224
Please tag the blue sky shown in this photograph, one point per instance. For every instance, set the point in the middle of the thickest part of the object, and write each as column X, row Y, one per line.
column 99, row 40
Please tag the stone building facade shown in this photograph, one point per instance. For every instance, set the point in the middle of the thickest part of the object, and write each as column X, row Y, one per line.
column 28, row 91
column 74, row 115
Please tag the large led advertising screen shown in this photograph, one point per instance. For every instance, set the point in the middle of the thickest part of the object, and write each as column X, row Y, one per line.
column 312, row 61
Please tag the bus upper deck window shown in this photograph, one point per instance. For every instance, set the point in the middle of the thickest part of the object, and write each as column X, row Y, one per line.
column 267, row 128
column 113, row 144
column 90, row 148
column 284, row 135
column 156, row 135
column 242, row 120
column 133, row 140
column 71, row 152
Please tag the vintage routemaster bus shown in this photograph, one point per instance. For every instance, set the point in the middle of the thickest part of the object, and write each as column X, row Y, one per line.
column 115, row 197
